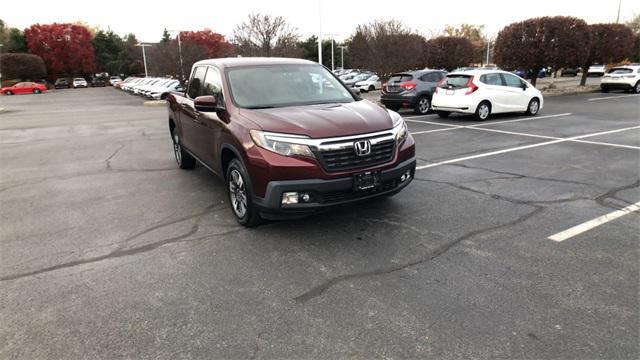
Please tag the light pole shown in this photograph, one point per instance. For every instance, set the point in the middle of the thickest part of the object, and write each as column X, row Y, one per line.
column 320, row 32
column 332, row 54
column 341, row 56
column 180, row 52
column 144, row 57
column 1, row 45
column 619, row 5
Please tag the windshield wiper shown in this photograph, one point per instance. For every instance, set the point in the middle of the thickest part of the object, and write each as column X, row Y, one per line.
column 260, row 107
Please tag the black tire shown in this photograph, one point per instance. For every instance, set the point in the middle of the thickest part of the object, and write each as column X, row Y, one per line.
column 8, row 92
column 636, row 88
column 423, row 105
column 605, row 90
column 483, row 111
column 533, row 107
column 443, row 114
column 36, row 91
column 240, row 196
column 183, row 158
column 392, row 107
column 371, row 88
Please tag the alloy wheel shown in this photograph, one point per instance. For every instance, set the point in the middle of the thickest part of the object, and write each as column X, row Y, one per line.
column 483, row 111
column 237, row 193
column 176, row 149
column 423, row 105
column 534, row 106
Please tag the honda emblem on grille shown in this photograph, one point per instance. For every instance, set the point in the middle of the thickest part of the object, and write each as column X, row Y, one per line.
column 362, row 147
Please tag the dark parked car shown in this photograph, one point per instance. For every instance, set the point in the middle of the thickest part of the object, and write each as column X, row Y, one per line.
column 287, row 137
column 412, row 89
column 62, row 84
column 98, row 82
column 569, row 72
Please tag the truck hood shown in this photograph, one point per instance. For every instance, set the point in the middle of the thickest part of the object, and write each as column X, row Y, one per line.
column 322, row 121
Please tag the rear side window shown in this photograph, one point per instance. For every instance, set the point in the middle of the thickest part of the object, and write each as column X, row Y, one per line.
column 620, row 71
column 195, row 85
column 456, row 81
column 400, row 78
column 491, row 79
column 512, row 81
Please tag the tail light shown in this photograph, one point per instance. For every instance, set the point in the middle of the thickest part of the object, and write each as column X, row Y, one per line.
column 471, row 87
column 408, row 85
column 440, row 83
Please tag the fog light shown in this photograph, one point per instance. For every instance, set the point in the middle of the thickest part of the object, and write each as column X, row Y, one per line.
column 289, row 198
column 305, row 197
column 406, row 176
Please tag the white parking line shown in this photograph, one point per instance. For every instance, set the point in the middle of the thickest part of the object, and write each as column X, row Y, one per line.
column 518, row 148
column 579, row 229
column 524, row 119
column 612, row 97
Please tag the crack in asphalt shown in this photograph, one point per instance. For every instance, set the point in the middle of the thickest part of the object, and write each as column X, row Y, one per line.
column 321, row 288
column 127, row 252
column 431, row 255
column 613, row 194
column 107, row 161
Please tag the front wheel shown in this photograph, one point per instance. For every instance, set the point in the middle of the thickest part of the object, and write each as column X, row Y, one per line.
column 36, row 91
column 534, row 107
column 483, row 111
column 183, row 158
column 240, row 197
column 8, row 93
column 605, row 90
column 422, row 106
column 636, row 88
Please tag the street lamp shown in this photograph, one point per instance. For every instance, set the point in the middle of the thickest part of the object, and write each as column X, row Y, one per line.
column 332, row 41
column 342, row 56
column 144, row 57
column 1, row 45
column 180, row 52
column 320, row 32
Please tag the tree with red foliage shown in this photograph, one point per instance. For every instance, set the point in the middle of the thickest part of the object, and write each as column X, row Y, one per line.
column 609, row 43
column 65, row 48
column 449, row 52
column 213, row 43
column 530, row 45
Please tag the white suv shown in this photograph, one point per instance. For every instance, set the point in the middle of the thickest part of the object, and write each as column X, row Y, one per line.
column 623, row 78
column 485, row 92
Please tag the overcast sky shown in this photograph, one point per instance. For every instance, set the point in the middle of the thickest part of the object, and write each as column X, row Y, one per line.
column 339, row 17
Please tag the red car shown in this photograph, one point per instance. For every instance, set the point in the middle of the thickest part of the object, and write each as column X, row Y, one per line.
column 288, row 137
column 24, row 88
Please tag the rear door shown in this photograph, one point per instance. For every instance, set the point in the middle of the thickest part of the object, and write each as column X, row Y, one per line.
column 517, row 96
column 493, row 89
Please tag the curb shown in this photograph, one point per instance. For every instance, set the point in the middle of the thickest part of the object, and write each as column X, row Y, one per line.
column 154, row 103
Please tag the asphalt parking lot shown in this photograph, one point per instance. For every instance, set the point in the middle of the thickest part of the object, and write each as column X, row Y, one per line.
column 108, row 250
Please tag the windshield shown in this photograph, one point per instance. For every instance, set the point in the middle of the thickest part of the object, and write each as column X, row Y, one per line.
column 285, row 85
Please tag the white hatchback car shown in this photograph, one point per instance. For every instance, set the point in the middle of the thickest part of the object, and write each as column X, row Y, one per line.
column 485, row 92
column 622, row 78
column 80, row 82
column 370, row 84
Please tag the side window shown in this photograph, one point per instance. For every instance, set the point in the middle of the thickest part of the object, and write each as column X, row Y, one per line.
column 195, row 85
column 511, row 80
column 492, row 79
column 212, row 84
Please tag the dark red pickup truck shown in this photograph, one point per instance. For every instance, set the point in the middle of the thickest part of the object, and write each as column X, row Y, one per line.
column 287, row 137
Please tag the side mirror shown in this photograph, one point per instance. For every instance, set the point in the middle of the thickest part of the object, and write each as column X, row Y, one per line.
column 524, row 86
column 207, row 103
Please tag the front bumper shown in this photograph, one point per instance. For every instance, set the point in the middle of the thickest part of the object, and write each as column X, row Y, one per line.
column 327, row 193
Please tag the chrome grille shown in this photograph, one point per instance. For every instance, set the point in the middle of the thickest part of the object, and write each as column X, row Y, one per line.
column 342, row 156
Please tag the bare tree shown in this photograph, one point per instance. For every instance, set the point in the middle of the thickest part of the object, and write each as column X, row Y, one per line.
column 265, row 35
column 385, row 47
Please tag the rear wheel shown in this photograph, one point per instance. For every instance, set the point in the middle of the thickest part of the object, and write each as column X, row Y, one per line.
column 534, row 106
column 483, row 111
column 443, row 114
column 422, row 106
column 240, row 197
column 605, row 90
column 183, row 158
column 371, row 88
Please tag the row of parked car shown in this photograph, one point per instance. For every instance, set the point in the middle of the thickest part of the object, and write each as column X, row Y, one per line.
column 482, row 91
column 361, row 80
column 150, row 87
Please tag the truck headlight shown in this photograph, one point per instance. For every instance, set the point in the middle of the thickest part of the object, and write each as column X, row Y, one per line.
column 399, row 127
column 283, row 144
